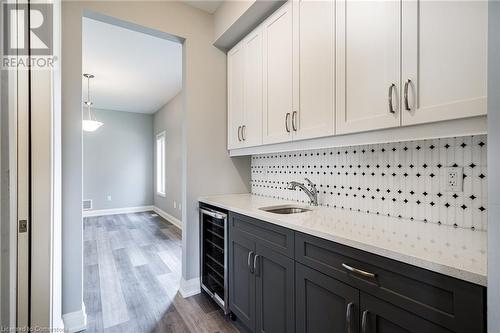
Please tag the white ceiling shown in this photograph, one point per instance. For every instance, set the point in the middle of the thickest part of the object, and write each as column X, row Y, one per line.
column 134, row 72
column 209, row 6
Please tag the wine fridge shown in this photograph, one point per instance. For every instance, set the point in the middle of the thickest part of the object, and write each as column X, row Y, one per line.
column 213, row 253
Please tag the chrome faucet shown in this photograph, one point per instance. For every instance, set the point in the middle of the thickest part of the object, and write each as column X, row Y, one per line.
column 312, row 193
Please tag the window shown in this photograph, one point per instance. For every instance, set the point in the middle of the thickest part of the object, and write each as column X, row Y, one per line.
column 160, row 163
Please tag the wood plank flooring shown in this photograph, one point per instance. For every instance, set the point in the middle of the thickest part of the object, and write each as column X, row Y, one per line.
column 132, row 269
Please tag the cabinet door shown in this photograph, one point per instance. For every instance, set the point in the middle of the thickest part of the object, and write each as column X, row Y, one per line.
column 241, row 278
column 316, row 30
column 368, row 65
column 275, row 298
column 235, row 95
column 324, row 304
column 252, row 130
column 445, row 59
column 378, row 316
column 278, row 75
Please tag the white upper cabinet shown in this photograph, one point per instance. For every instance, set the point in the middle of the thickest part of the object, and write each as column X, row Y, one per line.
column 320, row 68
column 278, row 95
column 235, row 95
column 444, row 57
column 244, row 81
column 368, row 65
column 252, row 124
column 314, row 22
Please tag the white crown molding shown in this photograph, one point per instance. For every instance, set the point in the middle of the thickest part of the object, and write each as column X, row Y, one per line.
column 113, row 211
column 190, row 287
column 175, row 221
column 75, row 321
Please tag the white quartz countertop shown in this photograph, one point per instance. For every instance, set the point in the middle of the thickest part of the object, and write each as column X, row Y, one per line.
column 456, row 252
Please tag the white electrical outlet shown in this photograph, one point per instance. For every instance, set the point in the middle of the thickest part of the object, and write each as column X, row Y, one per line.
column 175, row 204
column 179, row 206
column 108, row 198
column 454, row 179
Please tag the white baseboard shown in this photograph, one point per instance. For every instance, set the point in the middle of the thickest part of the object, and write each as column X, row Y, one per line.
column 190, row 287
column 175, row 221
column 113, row 211
column 75, row 321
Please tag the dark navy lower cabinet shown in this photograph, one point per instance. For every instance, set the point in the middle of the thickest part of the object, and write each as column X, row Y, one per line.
column 275, row 288
column 282, row 281
column 323, row 304
column 261, row 276
column 241, row 278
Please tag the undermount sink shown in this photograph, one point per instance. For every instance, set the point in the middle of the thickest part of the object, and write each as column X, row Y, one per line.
column 285, row 209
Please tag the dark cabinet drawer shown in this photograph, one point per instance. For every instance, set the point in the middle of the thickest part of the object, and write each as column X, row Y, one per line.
column 274, row 237
column 446, row 301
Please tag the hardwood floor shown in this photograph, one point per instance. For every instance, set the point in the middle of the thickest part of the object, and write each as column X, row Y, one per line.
column 132, row 269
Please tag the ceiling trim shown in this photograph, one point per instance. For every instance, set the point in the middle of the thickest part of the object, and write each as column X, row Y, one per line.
column 132, row 26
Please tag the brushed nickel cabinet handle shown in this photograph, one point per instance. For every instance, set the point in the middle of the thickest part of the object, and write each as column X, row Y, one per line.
column 389, row 97
column 249, row 261
column 243, row 131
column 359, row 271
column 255, row 263
column 239, row 133
column 286, row 122
column 407, row 104
column 348, row 315
column 364, row 322
column 294, row 121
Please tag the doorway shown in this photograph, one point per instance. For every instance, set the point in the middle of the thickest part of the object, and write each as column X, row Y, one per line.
column 132, row 136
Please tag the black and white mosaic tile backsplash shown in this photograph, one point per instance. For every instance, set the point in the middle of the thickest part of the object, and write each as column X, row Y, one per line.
column 402, row 179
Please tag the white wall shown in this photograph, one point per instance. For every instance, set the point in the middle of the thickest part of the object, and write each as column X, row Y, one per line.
column 169, row 119
column 227, row 14
column 207, row 168
column 494, row 164
column 235, row 19
column 118, row 160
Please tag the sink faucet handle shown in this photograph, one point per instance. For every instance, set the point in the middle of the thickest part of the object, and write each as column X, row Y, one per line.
column 310, row 183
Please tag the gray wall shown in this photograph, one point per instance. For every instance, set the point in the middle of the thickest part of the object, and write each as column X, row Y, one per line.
column 169, row 119
column 205, row 160
column 118, row 160
column 494, row 164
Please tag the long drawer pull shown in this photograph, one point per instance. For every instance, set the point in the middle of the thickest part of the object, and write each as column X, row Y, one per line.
column 249, row 261
column 359, row 271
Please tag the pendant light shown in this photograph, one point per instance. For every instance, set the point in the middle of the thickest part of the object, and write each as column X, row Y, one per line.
column 89, row 123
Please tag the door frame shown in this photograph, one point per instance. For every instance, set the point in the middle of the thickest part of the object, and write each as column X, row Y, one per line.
column 12, row 118
column 38, row 93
